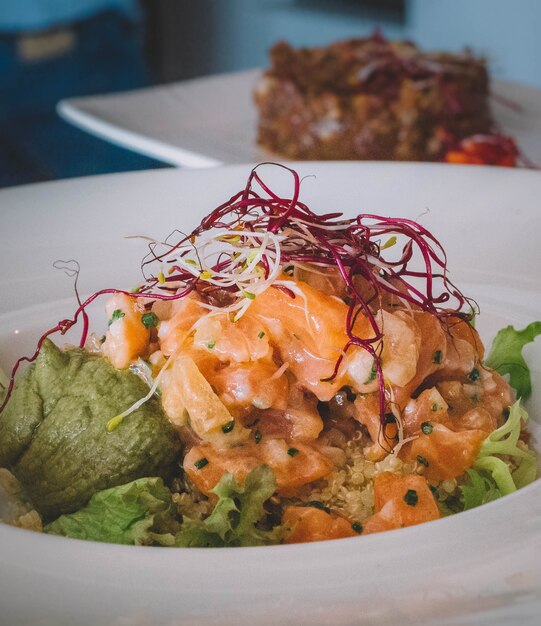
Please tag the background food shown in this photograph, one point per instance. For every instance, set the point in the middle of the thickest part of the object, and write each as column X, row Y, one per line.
column 370, row 99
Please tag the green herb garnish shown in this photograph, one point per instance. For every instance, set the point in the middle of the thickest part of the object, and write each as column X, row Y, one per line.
column 316, row 504
column 506, row 356
column 227, row 428
column 411, row 498
column 150, row 320
column 373, row 373
column 117, row 314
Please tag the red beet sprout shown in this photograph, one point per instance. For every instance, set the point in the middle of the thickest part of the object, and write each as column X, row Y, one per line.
column 255, row 217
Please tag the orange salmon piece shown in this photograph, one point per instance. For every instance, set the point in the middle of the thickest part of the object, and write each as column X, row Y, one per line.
column 243, row 386
column 306, row 523
column 173, row 332
column 464, row 349
column 241, row 341
column 400, row 501
column 317, row 319
column 294, row 464
column 448, row 454
column 432, row 353
column 127, row 338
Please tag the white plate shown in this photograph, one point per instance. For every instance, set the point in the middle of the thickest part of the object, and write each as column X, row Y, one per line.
column 480, row 567
column 212, row 120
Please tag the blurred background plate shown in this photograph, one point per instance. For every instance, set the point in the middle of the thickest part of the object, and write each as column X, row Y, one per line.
column 211, row 121
column 479, row 568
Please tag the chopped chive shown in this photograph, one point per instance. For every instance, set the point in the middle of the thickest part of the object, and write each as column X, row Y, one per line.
column 373, row 373
column 433, row 489
column 201, row 463
column 227, row 428
column 427, row 428
column 434, row 407
column 293, row 452
column 411, row 498
column 289, row 270
column 390, row 418
column 422, row 460
column 117, row 315
column 357, row 527
column 438, row 355
column 261, row 335
column 316, row 504
column 150, row 320
column 211, row 345
column 257, row 436
column 474, row 375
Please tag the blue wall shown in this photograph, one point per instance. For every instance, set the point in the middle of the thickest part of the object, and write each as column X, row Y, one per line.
column 506, row 32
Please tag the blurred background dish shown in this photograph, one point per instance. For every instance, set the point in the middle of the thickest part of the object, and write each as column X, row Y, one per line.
column 213, row 120
column 51, row 51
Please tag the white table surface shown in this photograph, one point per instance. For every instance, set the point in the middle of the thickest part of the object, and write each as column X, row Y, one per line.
column 212, row 121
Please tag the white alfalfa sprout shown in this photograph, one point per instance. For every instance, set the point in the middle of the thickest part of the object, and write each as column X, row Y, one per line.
column 115, row 421
column 245, row 251
column 399, row 426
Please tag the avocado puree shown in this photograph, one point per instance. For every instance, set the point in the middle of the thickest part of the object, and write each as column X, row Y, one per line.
column 53, row 430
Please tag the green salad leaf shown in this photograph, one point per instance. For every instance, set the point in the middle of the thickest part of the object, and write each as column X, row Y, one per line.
column 493, row 476
column 480, row 489
column 506, row 441
column 234, row 518
column 142, row 512
column 506, row 356
column 124, row 514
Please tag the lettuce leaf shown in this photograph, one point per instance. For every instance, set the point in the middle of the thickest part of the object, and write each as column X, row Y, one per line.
column 479, row 490
column 234, row 518
column 506, row 356
column 505, row 441
column 142, row 512
column 492, row 476
column 123, row 514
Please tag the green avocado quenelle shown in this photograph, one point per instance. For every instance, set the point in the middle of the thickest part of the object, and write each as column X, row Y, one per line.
column 53, row 432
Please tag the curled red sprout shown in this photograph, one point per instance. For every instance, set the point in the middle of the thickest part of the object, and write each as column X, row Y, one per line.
column 354, row 246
